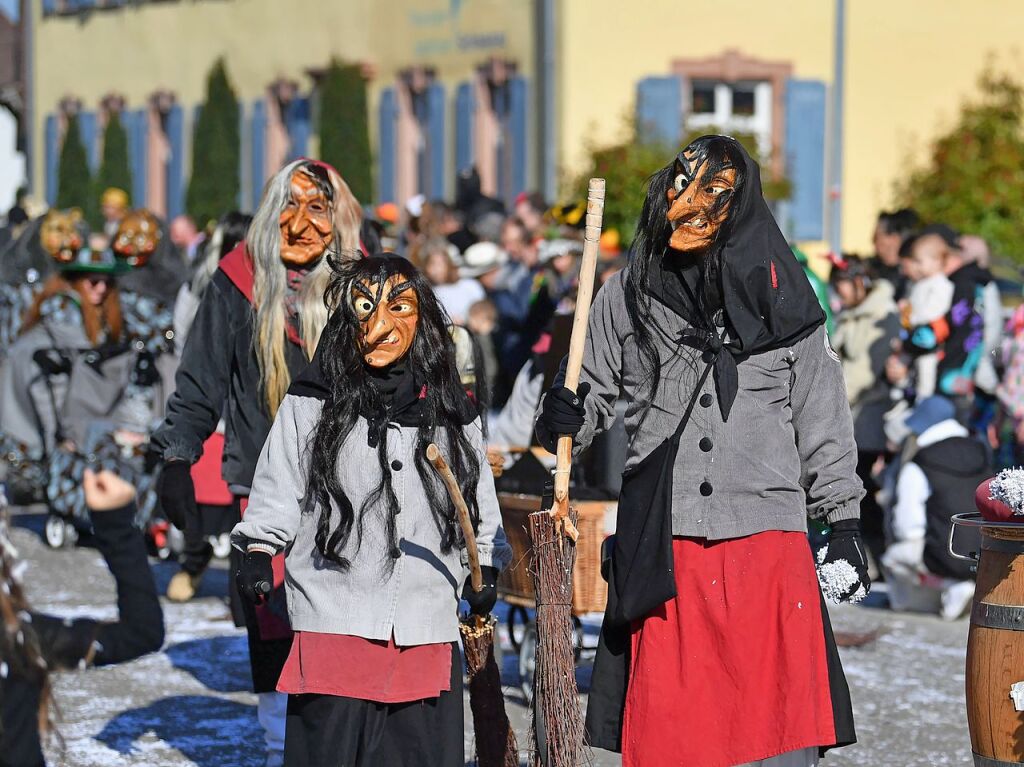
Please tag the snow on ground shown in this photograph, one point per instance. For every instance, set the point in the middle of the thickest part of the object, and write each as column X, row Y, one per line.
column 189, row 705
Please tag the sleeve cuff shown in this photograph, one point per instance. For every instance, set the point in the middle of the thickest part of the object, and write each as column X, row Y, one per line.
column 113, row 518
column 497, row 557
column 845, row 511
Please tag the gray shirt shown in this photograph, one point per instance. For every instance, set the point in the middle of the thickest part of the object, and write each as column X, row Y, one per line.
column 416, row 600
column 786, row 451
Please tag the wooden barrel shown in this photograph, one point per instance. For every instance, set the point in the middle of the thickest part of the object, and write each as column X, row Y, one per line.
column 995, row 650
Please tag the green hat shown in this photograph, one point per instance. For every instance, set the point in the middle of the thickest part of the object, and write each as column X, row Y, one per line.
column 96, row 262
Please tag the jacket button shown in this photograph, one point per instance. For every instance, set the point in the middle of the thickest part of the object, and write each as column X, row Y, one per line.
column 705, row 445
column 396, row 465
column 706, row 400
column 706, row 489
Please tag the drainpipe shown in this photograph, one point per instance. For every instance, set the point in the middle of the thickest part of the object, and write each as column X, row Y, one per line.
column 545, row 102
column 836, row 139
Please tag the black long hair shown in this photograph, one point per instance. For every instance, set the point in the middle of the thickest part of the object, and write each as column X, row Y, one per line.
column 444, row 409
column 654, row 231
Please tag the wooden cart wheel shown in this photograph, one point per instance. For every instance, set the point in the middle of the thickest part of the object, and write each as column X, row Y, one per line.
column 528, row 661
column 516, row 614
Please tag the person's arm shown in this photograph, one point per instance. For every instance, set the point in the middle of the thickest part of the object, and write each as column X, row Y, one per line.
column 201, row 384
column 909, row 516
column 491, row 543
column 279, row 485
column 140, row 626
column 824, row 432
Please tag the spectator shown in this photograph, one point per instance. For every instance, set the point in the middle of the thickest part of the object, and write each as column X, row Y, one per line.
column 481, row 321
column 929, row 299
column 890, row 232
column 865, row 330
column 470, row 200
column 34, row 644
column 936, row 481
column 113, row 206
column 185, row 237
column 975, row 253
column 484, row 262
column 456, row 294
column 1006, row 432
column 529, row 208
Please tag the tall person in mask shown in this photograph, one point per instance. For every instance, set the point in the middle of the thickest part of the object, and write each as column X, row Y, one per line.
column 256, row 328
column 716, row 647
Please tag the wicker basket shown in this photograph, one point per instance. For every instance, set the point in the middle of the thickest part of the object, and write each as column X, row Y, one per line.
column 590, row 592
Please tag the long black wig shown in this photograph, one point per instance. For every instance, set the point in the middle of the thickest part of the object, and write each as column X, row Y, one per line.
column 653, row 229
column 440, row 411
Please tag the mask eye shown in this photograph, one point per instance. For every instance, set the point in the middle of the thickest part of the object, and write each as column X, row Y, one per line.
column 679, row 183
column 363, row 307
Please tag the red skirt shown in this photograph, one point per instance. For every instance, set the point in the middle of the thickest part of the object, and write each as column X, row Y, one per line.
column 734, row 669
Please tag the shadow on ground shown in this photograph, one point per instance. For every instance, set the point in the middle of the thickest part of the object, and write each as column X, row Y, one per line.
column 219, row 663
column 206, row 730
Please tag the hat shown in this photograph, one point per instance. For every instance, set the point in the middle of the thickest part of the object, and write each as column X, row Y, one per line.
column 549, row 249
column 929, row 412
column 114, row 196
column 949, row 235
column 481, row 258
column 388, row 211
column 95, row 262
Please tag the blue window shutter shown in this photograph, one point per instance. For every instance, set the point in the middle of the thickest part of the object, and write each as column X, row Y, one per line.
column 805, row 156
column 137, row 127
column 52, row 154
column 465, row 111
column 175, row 127
column 387, row 114
column 518, row 132
column 435, row 127
column 297, row 122
column 49, row 6
column 259, row 148
column 659, row 110
column 87, row 130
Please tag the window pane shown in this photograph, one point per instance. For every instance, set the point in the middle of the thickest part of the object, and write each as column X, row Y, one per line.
column 743, row 100
column 703, row 98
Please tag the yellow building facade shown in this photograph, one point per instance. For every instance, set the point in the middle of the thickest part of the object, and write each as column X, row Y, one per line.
column 520, row 88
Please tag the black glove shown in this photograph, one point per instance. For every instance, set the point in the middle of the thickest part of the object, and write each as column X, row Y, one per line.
column 52, row 362
column 482, row 602
column 255, row 577
column 563, row 414
column 177, row 493
column 845, row 544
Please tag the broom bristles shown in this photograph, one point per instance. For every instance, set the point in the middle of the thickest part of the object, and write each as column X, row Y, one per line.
column 496, row 744
column 555, row 694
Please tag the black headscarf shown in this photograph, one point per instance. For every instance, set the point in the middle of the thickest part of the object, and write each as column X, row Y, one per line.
column 767, row 299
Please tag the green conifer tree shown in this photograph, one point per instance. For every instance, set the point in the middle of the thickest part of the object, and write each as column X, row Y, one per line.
column 114, row 170
column 213, row 187
column 74, row 182
column 344, row 127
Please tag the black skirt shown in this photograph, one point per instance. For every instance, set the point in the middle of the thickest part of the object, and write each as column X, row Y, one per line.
column 332, row 731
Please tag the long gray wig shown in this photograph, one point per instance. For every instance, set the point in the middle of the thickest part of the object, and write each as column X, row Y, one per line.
column 271, row 274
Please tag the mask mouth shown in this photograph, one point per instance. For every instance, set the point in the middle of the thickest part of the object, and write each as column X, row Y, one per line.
column 697, row 222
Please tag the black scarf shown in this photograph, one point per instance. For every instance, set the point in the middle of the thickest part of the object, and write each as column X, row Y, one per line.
column 767, row 299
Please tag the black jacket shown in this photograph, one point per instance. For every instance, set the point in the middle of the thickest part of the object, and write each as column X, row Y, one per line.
column 219, row 376
column 65, row 644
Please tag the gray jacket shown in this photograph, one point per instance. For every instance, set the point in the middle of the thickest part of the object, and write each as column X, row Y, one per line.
column 416, row 601
column 786, row 451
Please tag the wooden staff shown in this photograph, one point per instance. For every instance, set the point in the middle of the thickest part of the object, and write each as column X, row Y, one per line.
column 577, row 345
column 476, row 579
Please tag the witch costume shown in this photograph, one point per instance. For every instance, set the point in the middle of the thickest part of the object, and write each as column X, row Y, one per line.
column 373, row 562
column 716, row 648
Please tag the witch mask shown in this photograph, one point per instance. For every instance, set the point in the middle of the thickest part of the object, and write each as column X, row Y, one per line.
column 307, row 221
column 62, row 234
column 137, row 237
column 699, row 199
column 388, row 311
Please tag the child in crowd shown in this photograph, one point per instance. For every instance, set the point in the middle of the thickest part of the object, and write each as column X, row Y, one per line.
column 930, row 298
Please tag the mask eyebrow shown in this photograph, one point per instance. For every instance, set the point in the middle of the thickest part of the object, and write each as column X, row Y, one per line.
column 399, row 289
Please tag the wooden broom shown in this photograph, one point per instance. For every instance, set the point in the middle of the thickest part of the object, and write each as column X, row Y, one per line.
column 496, row 744
column 557, row 719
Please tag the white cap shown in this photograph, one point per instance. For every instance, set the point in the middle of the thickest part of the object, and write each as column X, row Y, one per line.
column 481, row 258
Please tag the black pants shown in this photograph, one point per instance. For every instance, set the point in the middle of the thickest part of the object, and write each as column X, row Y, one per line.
column 872, row 516
column 331, row 731
column 198, row 552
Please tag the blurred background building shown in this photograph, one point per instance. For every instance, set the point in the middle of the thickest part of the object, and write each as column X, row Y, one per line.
column 522, row 89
